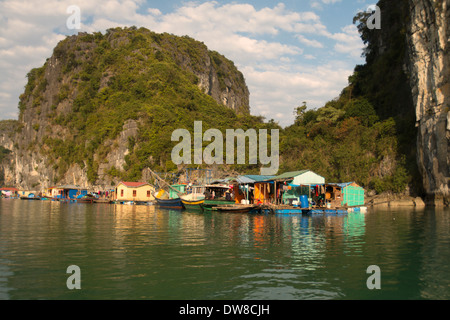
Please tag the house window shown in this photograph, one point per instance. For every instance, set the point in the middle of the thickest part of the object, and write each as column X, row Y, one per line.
column 134, row 193
column 121, row 192
column 148, row 193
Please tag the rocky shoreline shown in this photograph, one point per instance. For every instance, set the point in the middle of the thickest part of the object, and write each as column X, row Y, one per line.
column 389, row 200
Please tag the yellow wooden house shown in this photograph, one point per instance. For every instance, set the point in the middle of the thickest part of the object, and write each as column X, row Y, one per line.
column 134, row 191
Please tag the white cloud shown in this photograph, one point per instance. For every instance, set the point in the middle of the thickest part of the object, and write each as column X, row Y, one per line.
column 301, row 83
column 264, row 44
column 308, row 42
column 348, row 41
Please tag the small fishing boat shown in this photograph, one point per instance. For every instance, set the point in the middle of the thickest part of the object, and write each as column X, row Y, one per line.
column 211, row 204
column 88, row 198
column 31, row 196
column 190, row 203
column 169, row 203
column 238, row 208
column 163, row 200
column 194, row 198
column 162, row 197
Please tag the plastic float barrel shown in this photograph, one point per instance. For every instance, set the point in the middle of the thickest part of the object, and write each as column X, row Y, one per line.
column 304, row 201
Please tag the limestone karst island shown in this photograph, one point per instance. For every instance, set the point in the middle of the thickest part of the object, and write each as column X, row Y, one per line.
column 361, row 186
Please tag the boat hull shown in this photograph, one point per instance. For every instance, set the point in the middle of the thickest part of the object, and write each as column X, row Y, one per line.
column 210, row 204
column 31, row 198
column 170, row 203
column 238, row 208
column 193, row 204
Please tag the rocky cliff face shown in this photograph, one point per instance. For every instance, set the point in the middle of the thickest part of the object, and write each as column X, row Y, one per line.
column 100, row 98
column 413, row 48
column 428, row 64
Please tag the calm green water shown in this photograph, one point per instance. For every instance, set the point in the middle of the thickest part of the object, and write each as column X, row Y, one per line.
column 140, row 252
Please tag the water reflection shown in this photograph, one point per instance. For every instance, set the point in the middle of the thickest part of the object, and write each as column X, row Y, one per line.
column 142, row 252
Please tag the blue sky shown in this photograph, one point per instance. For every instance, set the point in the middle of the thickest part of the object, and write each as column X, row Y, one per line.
column 289, row 51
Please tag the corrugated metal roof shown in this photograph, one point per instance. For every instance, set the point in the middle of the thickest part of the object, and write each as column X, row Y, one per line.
column 258, row 178
column 244, row 180
column 288, row 175
column 252, row 178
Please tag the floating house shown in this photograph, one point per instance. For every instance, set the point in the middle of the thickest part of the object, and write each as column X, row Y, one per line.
column 9, row 192
column 344, row 194
column 27, row 193
column 68, row 192
column 290, row 186
column 251, row 189
column 134, row 191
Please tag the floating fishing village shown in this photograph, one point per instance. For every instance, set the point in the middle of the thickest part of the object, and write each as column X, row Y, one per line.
column 297, row 192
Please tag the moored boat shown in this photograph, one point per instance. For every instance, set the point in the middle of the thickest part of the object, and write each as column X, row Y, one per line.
column 30, row 198
column 169, row 203
column 86, row 199
column 164, row 201
column 194, row 198
column 238, row 208
column 211, row 204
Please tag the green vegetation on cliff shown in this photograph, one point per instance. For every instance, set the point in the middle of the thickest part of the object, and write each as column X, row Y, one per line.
column 364, row 135
column 126, row 74
column 368, row 133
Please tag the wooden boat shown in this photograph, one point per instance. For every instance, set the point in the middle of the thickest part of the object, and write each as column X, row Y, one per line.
column 162, row 198
column 210, row 204
column 30, row 198
column 238, row 208
column 194, row 199
column 169, row 203
column 86, row 199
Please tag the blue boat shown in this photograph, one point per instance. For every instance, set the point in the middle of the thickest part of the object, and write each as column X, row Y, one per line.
column 169, row 203
column 164, row 201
